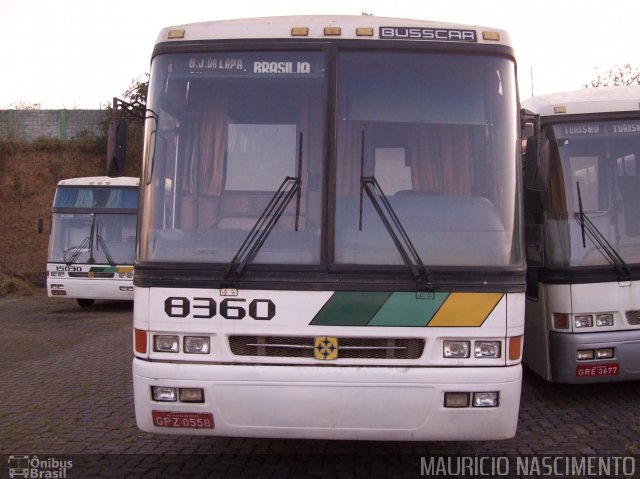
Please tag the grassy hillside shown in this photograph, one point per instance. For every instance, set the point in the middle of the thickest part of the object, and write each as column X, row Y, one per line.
column 29, row 173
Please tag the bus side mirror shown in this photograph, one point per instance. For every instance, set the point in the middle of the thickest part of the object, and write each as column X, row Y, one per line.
column 534, row 243
column 117, row 147
column 536, row 163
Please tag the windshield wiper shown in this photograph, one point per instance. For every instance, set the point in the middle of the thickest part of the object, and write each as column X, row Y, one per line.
column 290, row 187
column 87, row 243
column 107, row 253
column 394, row 226
column 597, row 238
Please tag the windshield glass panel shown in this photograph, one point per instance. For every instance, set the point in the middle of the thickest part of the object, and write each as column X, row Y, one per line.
column 602, row 158
column 228, row 129
column 438, row 133
column 92, row 197
column 92, row 238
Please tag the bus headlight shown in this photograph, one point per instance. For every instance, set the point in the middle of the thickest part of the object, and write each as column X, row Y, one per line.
column 486, row 349
column 191, row 394
column 456, row 399
column 166, row 343
column 605, row 353
column 604, row 319
column 196, row 344
column 485, row 399
column 163, row 393
column 583, row 321
column 585, row 354
column 456, row 349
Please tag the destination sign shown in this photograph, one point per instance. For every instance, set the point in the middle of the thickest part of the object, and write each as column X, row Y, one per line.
column 286, row 63
column 609, row 129
column 428, row 34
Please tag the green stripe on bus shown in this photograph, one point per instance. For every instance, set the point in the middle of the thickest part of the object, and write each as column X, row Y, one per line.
column 348, row 308
column 103, row 269
column 405, row 309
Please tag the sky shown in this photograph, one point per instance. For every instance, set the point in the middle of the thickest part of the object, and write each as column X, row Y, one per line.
column 79, row 54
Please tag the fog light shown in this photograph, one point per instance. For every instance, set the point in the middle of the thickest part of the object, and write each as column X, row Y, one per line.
column 583, row 321
column 164, row 393
column 584, row 354
column 456, row 399
column 604, row 319
column 605, row 353
column 191, row 395
column 166, row 344
column 486, row 399
column 486, row 349
column 196, row 344
column 560, row 321
column 456, row 349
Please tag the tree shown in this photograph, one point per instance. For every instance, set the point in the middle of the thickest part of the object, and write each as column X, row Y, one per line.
column 21, row 105
column 618, row 75
column 137, row 91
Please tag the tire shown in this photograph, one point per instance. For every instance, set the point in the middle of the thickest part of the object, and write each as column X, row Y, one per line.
column 85, row 303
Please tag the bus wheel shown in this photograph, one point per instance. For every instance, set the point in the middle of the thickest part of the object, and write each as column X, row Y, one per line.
column 85, row 303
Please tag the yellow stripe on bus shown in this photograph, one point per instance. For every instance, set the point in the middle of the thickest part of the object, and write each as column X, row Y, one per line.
column 466, row 309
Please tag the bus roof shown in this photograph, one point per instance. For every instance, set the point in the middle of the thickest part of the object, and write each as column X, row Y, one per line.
column 586, row 100
column 100, row 181
column 363, row 27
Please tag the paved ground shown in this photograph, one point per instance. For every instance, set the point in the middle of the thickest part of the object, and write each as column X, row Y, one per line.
column 67, row 396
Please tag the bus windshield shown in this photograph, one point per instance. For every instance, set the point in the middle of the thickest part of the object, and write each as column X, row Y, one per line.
column 90, row 238
column 595, row 172
column 93, row 224
column 436, row 131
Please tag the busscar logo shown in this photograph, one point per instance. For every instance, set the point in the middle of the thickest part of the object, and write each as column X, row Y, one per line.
column 430, row 34
column 325, row 348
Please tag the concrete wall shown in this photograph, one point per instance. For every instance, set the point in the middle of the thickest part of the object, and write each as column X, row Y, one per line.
column 29, row 125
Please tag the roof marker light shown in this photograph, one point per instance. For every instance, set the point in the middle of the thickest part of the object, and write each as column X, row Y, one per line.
column 560, row 109
column 173, row 34
column 492, row 36
column 364, row 32
column 299, row 31
column 332, row 31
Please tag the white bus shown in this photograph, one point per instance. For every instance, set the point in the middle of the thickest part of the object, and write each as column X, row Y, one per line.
column 93, row 239
column 330, row 238
column 583, row 299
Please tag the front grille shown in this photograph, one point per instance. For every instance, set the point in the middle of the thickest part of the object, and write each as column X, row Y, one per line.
column 91, row 275
column 633, row 317
column 348, row 348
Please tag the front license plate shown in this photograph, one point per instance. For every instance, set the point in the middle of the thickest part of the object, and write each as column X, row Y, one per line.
column 586, row 370
column 190, row 420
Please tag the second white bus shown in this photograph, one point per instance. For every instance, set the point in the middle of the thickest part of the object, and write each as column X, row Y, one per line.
column 93, row 239
column 583, row 301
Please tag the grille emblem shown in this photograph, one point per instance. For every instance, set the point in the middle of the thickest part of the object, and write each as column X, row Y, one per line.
column 325, row 348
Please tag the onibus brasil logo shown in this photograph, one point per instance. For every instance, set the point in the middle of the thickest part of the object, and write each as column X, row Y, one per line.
column 35, row 467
